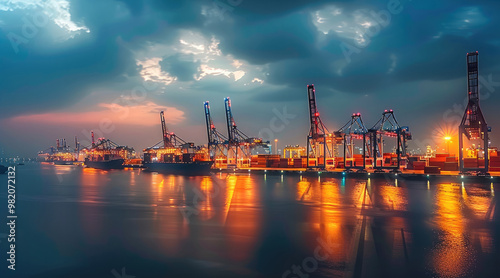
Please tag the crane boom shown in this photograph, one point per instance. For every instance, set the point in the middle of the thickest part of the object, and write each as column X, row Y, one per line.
column 208, row 120
column 167, row 142
column 231, row 124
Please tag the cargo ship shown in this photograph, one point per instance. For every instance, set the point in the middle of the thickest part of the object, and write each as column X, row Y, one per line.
column 106, row 154
column 175, row 156
column 62, row 154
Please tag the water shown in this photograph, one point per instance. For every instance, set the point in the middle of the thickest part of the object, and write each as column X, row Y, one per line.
column 75, row 222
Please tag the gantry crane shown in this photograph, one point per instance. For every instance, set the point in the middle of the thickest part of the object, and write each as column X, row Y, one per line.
column 171, row 144
column 473, row 125
column 354, row 129
column 216, row 140
column 319, row 137
column 237, row 141
column 388, row 126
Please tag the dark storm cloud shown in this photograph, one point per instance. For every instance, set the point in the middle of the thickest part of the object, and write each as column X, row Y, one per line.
column 180, row 66
column 268, row 41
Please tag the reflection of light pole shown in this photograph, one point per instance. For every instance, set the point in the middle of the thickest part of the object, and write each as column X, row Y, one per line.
column 275, row 146
column 447, row 139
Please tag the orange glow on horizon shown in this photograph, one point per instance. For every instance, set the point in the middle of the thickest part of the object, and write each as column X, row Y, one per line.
column 145, row 114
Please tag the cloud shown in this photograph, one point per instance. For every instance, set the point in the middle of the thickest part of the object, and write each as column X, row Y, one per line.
column 182, row 66
column 151, row 70
column 145, row 114
column 55, row 10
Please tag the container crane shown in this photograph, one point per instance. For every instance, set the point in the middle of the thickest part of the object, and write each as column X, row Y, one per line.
column 216, row 140
column 319, row 136
column 354, row 129
column 473, row 125
column 388, row 126
column 237, row 141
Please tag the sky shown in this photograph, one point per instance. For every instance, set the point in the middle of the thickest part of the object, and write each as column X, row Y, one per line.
column 71, row 66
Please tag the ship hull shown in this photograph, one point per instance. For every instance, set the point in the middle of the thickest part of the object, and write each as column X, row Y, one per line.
column 3, row 169
column 106, row 165
column 198, row 168
column 62, row 162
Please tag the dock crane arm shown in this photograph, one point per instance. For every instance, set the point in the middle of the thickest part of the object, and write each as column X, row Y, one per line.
column 167, row 142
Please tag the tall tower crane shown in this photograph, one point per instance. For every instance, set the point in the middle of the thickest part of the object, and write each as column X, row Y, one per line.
column 216, row 140
column 319, row 136
column 473, row 125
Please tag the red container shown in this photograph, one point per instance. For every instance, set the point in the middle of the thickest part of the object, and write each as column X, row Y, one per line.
column 432, row 170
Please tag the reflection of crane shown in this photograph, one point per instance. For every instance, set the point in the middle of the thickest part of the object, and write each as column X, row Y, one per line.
column 388, row 126
column 237, row 141
column 317, row 141
column 354, row 129
column 215, row 139
column 473, row 125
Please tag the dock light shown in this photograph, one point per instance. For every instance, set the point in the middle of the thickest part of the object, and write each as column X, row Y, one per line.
column 396, row 174
column 462, row 176
column 319, row 173
column 281, row 171
column 427, row 175
column 343, row 173
column 248, row 170
column 368, row 174
column 265, row 171
column 300, row 172
column 491, row 177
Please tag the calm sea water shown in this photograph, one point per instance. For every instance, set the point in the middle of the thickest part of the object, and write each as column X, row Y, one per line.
column 75, row 222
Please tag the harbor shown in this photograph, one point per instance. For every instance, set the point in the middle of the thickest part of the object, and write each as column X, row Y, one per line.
column 249, row 139
column 353, row 148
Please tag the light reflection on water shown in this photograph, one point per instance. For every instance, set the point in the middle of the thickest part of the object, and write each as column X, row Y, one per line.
column 256, row 225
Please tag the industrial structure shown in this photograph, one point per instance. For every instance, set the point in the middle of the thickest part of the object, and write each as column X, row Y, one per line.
column 354, row 130
column 320, row 142
column 104, row 150
column 217, row 142
column 172, row 147
column 473, row 126
column 388, row 127
column 62, row 152
column 235, row 149
column 239, row 146
column 382, row 147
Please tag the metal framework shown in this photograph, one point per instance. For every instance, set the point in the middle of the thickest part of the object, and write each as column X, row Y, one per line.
column 319, row 136
column 354, row 129
column 473, row 125
column 237, row 141
column 169, row 139
column 388, row 126
column 216, row 140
